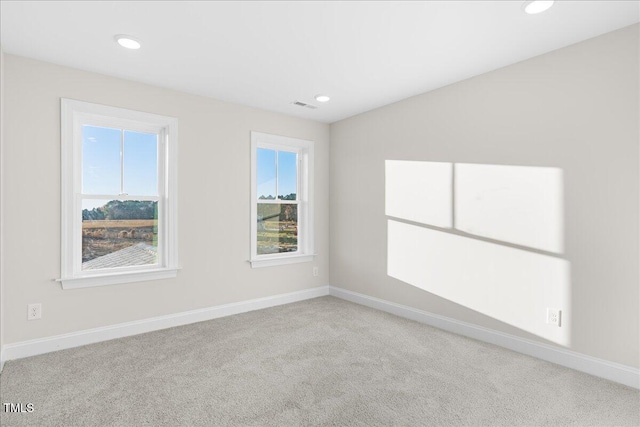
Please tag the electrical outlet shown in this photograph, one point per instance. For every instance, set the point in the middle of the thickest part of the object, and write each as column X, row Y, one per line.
column 315, row 272
column 554, row 316
column 34, row 311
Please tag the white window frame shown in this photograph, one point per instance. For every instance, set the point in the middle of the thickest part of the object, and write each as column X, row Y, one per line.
column 75, row 114
column 304, row 196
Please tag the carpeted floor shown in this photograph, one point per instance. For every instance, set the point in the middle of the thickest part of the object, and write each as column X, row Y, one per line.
column 319, row 362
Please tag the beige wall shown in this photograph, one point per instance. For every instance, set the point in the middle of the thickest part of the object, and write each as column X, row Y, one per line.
column 214, row 156
column 575, row 109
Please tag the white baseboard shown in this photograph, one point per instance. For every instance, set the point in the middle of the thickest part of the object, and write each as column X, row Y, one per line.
column 90, row 336
column 598, row 367
column 616, row 372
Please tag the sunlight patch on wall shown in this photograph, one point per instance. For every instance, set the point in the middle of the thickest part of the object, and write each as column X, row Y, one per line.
column 516, row 204
column 511, row 285
column 519, row 205
column 419, row 191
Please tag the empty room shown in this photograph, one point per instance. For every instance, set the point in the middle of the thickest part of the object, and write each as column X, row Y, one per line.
column 305, row 213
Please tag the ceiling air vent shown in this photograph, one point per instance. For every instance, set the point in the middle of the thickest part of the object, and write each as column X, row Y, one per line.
column 304, row 105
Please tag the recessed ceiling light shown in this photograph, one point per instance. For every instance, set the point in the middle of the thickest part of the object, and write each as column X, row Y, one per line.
column 322, row 98
column 537, row 6
column 127, row 41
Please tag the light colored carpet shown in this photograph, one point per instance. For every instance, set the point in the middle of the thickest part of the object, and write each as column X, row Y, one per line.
column 319, row 362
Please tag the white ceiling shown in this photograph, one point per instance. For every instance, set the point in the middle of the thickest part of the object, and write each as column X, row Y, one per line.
column 269, row 54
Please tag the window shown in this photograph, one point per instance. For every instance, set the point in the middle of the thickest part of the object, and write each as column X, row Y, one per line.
column 118, row 195
column 281, row 200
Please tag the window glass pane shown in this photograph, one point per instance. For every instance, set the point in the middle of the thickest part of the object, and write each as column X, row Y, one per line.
column 266, row 174
column 287, row 175
column 118, row 233
column 140, row 163
column 277, row 228
column 100, row 160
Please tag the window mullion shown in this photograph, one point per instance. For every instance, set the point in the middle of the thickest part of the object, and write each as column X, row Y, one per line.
column 121, row 162
column 277, row 152
column 119, row 197
column 301, row 222
column 299, row 176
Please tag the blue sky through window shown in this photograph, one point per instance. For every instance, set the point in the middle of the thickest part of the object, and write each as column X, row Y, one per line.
column 266, row 173
column 140, row 163
column 100, row 160
column 101, row 168
column 287, row 173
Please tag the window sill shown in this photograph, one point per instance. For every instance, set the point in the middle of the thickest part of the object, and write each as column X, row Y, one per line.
column 117, row 278
column 280, row 260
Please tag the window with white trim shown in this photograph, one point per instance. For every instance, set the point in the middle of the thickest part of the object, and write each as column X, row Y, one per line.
column 281, row 200
column 119, row 195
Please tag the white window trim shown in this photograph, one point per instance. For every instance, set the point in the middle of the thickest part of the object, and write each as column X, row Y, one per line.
column 73, row 115
column 305, row 195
